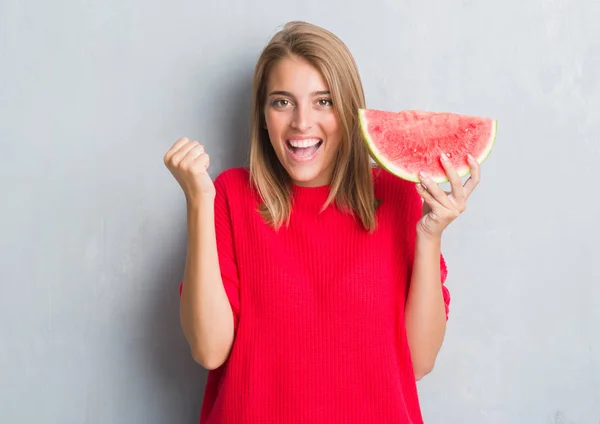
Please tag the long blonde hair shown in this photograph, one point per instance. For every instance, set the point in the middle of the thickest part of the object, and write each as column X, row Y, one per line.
column 351, row 187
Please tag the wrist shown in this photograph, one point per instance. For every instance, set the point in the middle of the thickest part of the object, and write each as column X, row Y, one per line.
column 428, row 237
column 200, row 201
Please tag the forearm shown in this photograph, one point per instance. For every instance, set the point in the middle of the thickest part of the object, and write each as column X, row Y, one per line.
column 205, row 313
column 425, row 311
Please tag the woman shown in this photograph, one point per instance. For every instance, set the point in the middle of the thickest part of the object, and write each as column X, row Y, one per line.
column 314, row 282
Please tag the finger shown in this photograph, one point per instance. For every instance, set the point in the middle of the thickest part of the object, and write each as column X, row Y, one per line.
column 174, row 148
column 200, row 164
column 453, row 177
column 474, row 179
column 427, row 197
column 431, row 204
column 191, row 156
column 182, row 152
column 435, row 191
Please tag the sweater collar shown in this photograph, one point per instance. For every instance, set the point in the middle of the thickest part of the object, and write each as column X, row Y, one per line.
column 315, row 196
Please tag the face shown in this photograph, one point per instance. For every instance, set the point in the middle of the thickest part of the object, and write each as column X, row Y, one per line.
column 301, row 122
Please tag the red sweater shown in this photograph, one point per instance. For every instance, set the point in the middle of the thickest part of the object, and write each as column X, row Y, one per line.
column 318, row 309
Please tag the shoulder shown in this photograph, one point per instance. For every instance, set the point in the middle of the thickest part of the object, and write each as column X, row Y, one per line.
column 229, row 176
column 232, row 180
column 399, row 204
column 392, row 189
column 232, row 186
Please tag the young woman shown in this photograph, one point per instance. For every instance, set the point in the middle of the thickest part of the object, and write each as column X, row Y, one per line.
column 314, row 283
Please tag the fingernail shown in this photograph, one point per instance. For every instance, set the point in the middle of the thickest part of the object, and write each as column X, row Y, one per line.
column 422, row 175
column 444, row 157
column 470, row 157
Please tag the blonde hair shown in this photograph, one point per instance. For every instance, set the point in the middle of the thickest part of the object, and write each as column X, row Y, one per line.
column 351, row 187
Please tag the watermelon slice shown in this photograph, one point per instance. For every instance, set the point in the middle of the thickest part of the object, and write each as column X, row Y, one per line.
column 410, row 141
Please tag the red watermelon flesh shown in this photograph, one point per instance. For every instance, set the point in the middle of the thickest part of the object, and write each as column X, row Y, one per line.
column 411, row 141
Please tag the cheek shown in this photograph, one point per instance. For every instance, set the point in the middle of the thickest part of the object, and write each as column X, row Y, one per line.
column 272, row 127
column 275, row 121
column 332, row 127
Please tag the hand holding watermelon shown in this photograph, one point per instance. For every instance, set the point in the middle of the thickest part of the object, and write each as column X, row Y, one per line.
column 408, row 144
column 440, row 207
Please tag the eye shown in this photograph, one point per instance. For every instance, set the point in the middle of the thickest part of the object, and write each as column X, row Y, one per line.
column 325, row 102
column 280, row 103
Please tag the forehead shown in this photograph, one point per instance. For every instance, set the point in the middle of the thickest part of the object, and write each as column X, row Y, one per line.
column 296, row 75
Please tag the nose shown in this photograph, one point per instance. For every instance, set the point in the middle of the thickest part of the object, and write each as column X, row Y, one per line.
column 302, row 119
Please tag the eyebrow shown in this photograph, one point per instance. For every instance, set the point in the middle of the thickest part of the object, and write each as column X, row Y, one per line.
column 287, row 93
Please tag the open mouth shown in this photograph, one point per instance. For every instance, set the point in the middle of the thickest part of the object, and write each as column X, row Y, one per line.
column 303, row 148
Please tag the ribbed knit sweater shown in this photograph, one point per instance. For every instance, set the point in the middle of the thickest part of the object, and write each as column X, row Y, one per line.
column 318, row 309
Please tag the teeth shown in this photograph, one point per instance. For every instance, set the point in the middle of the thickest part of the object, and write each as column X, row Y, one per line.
column 304, row 143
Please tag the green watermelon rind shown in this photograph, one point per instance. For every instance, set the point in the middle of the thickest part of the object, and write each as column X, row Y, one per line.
column 399, row 172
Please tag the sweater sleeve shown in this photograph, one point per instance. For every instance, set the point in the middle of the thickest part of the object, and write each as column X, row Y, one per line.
column 225, row 247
